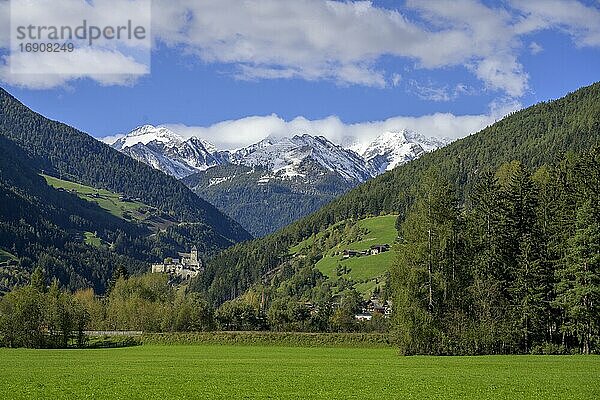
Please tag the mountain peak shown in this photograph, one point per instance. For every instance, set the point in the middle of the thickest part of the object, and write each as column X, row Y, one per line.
column 146, row 134
column 393, row 148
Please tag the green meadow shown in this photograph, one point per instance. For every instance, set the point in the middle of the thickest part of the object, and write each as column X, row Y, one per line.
column 225, row 372
column 366, row 271
column 127, row 209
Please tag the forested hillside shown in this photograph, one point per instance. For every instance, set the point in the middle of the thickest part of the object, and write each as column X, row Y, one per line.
column 260, row 205
column 53, row 227
column 58, row 148
column 541, row 134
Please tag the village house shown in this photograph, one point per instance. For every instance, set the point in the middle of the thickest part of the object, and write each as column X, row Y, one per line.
column 379, row 248
column 355, row 253
column 376, row 306
column 185, row 267
column 373, row 250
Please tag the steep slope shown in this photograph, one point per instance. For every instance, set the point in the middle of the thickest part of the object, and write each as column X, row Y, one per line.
column 391, row 149
column 164, row 150
column 42, row 226
column 283, row 157
column 284, row 179
column 51, row 226
column 277, row 181
column 57, row 147
column 364, row 272
column 540, row 134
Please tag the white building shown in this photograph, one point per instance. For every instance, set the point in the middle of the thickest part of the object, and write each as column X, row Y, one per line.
column 186, row 267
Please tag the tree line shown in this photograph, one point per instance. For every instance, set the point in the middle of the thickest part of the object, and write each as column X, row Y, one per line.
column 515, row 268
column 41, row 316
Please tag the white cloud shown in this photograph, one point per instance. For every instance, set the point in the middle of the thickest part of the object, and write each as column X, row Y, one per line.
column 578, row 20
column 503, row 106
column 338, row 41
column 108, row 62
column 111, row 139
column 432, row 92
column 345, row 41
column 503, row 72
column 4, row 24
column 242, row 132
column 104, row 66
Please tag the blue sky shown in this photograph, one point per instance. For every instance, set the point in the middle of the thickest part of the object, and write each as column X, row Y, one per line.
column 395, row 61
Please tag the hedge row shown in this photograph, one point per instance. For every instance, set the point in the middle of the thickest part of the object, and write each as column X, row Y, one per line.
column 272, row 338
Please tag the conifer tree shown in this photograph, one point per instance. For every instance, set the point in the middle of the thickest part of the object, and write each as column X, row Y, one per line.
column 579, row 285
column 528, row 272
column 423, row 274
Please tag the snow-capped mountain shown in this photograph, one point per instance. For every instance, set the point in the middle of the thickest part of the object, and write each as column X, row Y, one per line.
column 391, row 149
column 164, row 150
column 284, row 158
column 284, row 178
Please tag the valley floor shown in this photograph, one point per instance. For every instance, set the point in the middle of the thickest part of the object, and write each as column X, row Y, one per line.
column 222, row 371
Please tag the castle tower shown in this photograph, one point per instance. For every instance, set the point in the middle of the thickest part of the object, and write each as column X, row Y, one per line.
column 194, row 256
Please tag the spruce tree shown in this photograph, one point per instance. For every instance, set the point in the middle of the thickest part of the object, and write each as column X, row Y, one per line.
column 579, row 285
column 528, row 271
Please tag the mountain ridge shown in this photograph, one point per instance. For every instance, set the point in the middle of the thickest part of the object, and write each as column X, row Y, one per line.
column 167, row 151
column 284, row 178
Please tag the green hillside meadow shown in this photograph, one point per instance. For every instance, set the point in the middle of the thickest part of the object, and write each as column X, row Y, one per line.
column 367, row 271
column 107, row 200
column 225, row 372
column 114, row 203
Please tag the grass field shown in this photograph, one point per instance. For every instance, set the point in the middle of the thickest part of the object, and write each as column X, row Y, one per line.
column 108, row 200
column 225, row 372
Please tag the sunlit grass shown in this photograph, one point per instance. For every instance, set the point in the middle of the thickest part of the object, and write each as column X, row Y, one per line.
column 226, row 372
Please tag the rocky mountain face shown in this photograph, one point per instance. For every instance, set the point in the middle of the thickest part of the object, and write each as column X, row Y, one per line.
column 168, row 152
column 392, row 149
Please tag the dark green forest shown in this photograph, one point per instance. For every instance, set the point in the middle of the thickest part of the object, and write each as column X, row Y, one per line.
column 539, row 135
column 58, row 148
column 515, row 268
column 498, row 247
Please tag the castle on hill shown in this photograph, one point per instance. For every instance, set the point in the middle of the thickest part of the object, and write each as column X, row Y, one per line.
column 186, row 266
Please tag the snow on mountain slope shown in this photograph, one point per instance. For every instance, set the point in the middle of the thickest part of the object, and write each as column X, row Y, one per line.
column 157, row 159
column 166, row 151
column 146, row 134
column 391, row 149
column 283, row 158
